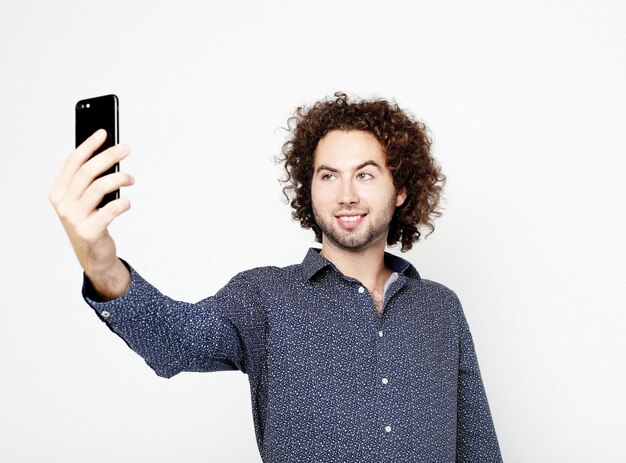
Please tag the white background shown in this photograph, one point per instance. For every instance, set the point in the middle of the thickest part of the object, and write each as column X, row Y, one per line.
column 527, row 107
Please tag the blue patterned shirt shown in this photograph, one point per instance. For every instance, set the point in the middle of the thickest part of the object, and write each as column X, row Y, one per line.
column 330, row 379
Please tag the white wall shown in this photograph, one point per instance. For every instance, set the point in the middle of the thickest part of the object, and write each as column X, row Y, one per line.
column 527, row 106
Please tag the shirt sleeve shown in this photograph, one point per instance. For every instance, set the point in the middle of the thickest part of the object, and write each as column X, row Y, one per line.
column 221, row 332
column 476, row 435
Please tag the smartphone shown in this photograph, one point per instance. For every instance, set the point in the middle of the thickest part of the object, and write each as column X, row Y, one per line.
column 100, row 112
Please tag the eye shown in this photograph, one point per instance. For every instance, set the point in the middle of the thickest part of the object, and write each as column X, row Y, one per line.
column 324, row 176
column 360, row 174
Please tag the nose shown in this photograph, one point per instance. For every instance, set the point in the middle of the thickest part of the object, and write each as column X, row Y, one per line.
column 347, row 193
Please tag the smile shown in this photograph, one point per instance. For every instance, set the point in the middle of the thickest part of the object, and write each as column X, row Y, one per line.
column 350, row 221
column 350, row 218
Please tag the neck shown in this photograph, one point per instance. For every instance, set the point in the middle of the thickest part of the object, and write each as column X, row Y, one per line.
column 367, row 265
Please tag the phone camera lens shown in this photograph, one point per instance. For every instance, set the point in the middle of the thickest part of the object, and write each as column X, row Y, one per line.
column 88, row 105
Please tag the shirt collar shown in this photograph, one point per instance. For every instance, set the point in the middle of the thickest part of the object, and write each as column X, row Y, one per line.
column 313, row 262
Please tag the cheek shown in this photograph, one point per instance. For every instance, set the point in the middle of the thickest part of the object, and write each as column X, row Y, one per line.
column 321, row 194
column 318, row 198
column 377, row 198
column 371, row 196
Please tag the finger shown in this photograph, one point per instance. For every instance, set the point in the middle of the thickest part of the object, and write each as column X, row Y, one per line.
column 100, row 187
column 93, row 168
column 78, row 158
column 101, row 218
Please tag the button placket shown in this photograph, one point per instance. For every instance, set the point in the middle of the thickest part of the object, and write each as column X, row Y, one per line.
column 384, row 380
column 384, row 390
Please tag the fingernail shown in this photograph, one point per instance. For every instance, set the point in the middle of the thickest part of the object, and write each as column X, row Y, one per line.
column 124, row 148
column 100, row 133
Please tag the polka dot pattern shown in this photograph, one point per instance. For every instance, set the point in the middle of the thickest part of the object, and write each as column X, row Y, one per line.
column 330, row 379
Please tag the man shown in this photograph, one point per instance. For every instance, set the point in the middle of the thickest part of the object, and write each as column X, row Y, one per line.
column 351, row 355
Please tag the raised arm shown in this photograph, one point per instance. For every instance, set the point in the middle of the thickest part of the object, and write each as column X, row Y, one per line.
column 222, row 332
column 219, row 333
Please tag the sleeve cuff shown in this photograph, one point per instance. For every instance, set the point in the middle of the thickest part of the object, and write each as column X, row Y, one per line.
column 121, row 306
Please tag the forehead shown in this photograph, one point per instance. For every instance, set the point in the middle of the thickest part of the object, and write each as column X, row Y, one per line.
column 348, row 147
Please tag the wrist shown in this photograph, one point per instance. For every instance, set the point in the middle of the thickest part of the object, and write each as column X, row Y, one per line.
column 110, row 282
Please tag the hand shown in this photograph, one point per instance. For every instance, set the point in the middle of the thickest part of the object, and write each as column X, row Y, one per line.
column 75, row 195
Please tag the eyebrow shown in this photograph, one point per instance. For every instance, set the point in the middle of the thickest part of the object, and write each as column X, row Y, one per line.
column 360, row 166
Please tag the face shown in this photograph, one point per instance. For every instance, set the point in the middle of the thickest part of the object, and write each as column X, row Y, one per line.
column 352, row 190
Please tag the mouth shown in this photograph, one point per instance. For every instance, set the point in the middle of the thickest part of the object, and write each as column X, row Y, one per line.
column 350, row 221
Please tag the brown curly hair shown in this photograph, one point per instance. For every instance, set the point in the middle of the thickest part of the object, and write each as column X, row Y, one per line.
column 406, row 144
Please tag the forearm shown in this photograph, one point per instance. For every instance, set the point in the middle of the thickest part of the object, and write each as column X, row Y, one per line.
column 145, row 319
column 174, row 336
column 476, row 435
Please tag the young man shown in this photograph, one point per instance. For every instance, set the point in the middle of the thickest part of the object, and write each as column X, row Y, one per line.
column 351, row 355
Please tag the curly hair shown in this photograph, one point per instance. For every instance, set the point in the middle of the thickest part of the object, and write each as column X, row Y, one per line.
column 405, row 142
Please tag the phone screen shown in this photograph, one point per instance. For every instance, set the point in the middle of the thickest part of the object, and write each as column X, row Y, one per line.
column 99, row 113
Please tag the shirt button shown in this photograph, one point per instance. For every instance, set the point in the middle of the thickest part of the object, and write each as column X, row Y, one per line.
column 387, row 428
column 105, row 314
column 361, row 289
column 385, row 380
column 380, row 334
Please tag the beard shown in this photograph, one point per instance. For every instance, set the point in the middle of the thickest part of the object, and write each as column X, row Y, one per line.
column 367, row 233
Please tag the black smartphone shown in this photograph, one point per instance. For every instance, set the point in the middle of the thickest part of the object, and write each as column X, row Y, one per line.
column 99, row 113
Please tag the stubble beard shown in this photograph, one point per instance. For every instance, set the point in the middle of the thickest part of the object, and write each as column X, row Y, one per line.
column 359, row 239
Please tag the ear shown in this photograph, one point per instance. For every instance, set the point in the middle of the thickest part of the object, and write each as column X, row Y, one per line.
column 401, row 197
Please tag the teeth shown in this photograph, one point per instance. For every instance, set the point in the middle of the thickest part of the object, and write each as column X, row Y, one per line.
column 353, row 218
